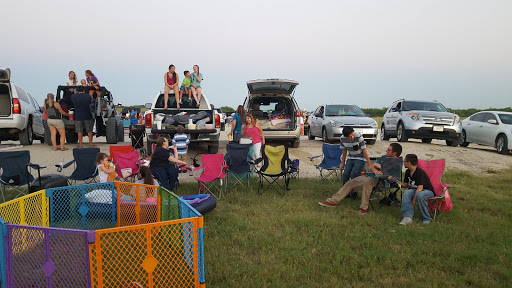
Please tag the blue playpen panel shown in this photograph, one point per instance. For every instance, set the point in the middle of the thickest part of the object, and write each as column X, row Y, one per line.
column 188, row 211
column 86, row 207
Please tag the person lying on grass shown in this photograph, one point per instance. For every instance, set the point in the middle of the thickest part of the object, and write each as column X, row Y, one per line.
column 420, row 190
column 388, row 166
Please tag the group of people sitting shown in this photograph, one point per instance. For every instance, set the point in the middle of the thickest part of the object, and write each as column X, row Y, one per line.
column 191, row 85
column 389, row 167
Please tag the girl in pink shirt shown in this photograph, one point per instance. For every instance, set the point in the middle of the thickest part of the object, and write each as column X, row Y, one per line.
column 252, row 129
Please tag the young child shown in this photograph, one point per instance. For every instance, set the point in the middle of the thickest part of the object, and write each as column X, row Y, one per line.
column 106, row 170
column 145, row 177
column 419, row 190
column 185, row 87
column 180, row 140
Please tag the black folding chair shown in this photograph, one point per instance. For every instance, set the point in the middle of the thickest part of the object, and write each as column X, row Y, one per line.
column 15, row 169
column 386, row 192
column 239, row 164
column 85, row 165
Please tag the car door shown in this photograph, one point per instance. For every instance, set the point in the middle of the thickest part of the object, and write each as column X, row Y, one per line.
column 489, row 131
column 472, row 128
column 313, row 122
column 391, row 119
column 320, row 121
column 37, row 121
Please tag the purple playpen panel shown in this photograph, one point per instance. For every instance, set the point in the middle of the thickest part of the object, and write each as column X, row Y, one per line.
column 47, row 257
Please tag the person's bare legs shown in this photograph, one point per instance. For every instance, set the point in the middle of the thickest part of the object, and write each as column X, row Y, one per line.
column 80, row 139
column 199, row 93
column 166, row 95
column 90, row 139
column 180, row 97
column 189, row 92
column 62, row 133
column 194, row 92
column 53, row 132
column 177, row 95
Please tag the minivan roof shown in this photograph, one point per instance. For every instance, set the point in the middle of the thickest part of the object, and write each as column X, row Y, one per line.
column 272, row 85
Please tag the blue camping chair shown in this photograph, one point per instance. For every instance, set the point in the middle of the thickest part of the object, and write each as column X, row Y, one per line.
column 331, row 161
column 85, row 165
column 238, row 160
column 15, row 169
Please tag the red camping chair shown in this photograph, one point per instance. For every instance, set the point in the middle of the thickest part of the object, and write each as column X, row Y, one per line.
column 214, row 168
column 119, row 149
column 127, row 161
column 441, row 201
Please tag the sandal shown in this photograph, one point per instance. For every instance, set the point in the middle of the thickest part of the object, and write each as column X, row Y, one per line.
column 56, row 149
column 64, row 149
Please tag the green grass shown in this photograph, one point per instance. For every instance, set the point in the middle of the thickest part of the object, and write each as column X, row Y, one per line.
column 273, row 241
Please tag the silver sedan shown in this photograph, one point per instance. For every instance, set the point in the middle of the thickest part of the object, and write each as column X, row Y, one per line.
column 489, row 128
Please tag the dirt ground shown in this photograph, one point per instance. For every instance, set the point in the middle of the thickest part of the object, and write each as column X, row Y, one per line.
column 475, row 159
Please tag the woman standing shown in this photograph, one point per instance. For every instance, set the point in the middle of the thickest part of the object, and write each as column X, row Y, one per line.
column 196, row 79
column 55, row 122
column 161, row 164
column 236, row 125
column 171, row 81
column 252, row 129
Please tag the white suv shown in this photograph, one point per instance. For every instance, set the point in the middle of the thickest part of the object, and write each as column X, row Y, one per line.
column 20, row 114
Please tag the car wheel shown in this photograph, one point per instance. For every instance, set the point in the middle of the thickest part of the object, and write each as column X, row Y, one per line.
column 213, row 149
column 26, row 135
column 502, row 144
column 462, row 139
column 295, row 144
column 453, row 143
column 371, row 142
column 400, row 133
column 324, row 136
column 310, row 137
column 383, row 134
column 426, row 140
column 120, row 132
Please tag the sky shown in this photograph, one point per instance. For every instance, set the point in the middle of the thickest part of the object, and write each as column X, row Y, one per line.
column 368, row 53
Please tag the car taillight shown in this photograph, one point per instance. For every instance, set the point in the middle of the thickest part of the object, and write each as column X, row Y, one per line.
column 147, row 121
column 16, row 107
column 298, row 113
column 217, row 121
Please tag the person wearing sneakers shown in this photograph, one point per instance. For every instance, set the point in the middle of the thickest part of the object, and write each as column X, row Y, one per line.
column 419, row 190
column 388, row 166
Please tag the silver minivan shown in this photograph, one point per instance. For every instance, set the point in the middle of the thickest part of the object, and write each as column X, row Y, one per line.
column 271, row 103
column 20, row 114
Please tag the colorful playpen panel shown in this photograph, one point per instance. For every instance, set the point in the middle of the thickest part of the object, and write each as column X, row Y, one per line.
column 159, row 254
column 30, row 210
column 47, row 257
column 137, row 204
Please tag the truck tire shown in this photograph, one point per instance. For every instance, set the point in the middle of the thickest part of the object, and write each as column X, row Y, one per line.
column 371, row 142
column 452, row 143
column 383, row 134
column 111, row 130
column 71, row 137
column 149, row 146
column 48, row 135
column 295, row 144
column 26, row 135
column 213, row 148
column 120, row 132
column 223, row 127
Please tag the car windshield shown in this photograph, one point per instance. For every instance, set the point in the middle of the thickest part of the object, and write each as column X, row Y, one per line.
column 343, row 110
column 424, row 106
column 506, row 118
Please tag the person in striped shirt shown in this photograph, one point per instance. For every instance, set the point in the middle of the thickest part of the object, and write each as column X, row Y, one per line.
column 355, row 157
column 180, row 140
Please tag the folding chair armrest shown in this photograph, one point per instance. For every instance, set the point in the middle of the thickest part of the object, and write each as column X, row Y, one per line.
column 69, row 164
column 197, row 168
column 225, row 167
column 35, row 166
column 448, row 186
column 314, row 157
column 256, row 161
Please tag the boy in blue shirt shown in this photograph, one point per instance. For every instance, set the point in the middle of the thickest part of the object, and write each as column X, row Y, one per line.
column 180, row 140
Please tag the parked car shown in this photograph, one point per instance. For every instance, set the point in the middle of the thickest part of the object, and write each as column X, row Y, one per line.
column 222, row 115
column 489, row 128
column 271, row 103
column 328, row 122
column 425, row 120
column 20, row 114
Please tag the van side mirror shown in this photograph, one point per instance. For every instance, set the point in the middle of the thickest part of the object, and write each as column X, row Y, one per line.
column 148, row 105
column 119, row 104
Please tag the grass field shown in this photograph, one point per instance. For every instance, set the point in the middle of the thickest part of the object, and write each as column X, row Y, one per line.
column 273, row 241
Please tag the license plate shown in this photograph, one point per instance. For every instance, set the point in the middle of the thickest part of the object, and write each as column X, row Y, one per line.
column 438, row 128
column 360, row 131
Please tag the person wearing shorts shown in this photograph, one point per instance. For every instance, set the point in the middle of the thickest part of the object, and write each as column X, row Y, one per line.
column 185, row 87
column 54, row 121
column 83, row 116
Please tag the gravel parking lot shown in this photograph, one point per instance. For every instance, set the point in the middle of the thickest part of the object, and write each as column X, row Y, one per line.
column 475, row 159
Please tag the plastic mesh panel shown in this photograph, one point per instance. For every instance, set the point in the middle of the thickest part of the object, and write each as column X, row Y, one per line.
column 27, row 210
column 47, row 257
column 170, row 207
column 187, row 211
column 87, row 207
column 153, row 255
column 137, row 204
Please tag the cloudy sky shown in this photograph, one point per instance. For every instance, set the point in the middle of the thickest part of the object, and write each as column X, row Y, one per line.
column 367, row 53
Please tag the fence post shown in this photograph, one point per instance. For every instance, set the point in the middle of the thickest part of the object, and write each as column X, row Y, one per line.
column 3, row 235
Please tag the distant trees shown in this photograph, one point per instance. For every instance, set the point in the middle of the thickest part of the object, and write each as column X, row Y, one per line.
column 227, row 109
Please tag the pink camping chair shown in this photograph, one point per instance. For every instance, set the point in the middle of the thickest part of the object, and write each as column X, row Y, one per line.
column 441, row 201
column 210, row 180
column 127, row 163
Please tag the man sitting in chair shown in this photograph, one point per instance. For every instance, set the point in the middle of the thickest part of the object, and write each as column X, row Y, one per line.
column 387, row 166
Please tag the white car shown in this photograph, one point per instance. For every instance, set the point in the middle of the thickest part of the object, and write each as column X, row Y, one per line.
column 20, row 114
column 489, row 128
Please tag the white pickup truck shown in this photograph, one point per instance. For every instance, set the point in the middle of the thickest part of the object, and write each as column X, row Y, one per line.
column 172, row 117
